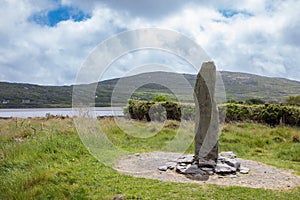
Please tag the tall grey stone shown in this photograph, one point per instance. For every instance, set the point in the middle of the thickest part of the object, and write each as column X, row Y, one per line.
column 206, row 120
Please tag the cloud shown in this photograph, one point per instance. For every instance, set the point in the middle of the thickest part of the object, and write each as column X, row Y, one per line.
column 38, row 53
column 257, row 36
column 147, row 9
column 255, row 43
column 149, row 61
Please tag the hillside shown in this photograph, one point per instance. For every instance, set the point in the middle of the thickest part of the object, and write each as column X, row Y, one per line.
column 238, row 86
column 242, row 86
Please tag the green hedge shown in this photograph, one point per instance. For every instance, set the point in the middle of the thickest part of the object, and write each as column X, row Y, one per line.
column 158, row 111
column 272, row 114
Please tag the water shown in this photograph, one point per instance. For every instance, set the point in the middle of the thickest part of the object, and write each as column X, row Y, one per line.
column 42, row 112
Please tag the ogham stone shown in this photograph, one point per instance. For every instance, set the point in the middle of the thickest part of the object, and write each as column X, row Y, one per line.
column 206, row 119
column 205, row 160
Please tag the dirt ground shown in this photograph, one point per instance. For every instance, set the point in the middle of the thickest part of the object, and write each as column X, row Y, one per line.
column 260, row 175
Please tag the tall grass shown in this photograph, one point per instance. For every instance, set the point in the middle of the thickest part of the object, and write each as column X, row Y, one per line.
column 45, row 159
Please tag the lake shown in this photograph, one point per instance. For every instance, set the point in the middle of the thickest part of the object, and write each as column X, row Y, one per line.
column 42, row 112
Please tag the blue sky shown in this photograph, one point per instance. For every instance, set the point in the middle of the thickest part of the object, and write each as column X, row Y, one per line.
column 61, row 13
column 47, row 41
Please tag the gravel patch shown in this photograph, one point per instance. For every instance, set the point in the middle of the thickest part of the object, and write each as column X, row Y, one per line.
column 260, row 176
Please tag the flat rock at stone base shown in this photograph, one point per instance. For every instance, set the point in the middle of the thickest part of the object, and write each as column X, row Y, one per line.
column 231, row 162
column 244, row 170
column 163, row 168
column 224, row 169
column 209, row 171
column 185, row 159
column 207, row 164
column 194, row 169
column 180, row 169
column 227, row 154
column 171, row 165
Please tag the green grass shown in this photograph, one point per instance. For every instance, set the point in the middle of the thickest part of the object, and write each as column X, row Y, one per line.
column 276, row 146
column 45, row 159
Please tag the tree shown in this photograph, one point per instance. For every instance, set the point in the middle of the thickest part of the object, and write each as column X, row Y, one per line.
column 293, row 100
column 254, row 101
column 159, row 98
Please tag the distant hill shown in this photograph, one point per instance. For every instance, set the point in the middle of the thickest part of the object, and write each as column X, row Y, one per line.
column 242, row 86
column 238, row 86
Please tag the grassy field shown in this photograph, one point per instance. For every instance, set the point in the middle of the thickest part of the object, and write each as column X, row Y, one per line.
column 45, row 159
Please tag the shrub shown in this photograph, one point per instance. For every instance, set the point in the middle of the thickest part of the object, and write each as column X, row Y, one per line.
column 271, row 114
column 139, row 109
column 254, row 101
column 293, row 100
column 232, row 101
column 159, row 111
column 173, row 110
column 159, row 98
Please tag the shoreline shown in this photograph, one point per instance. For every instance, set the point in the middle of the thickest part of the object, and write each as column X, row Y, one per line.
column 70, row 112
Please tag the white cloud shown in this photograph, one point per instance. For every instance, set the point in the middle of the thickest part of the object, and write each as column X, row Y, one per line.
column 48, row 55
column 250, row 43
column 260, row 37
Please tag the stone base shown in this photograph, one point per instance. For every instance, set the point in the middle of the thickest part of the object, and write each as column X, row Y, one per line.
column 227, row 164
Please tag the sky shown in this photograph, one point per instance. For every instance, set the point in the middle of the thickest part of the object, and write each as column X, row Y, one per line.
column 47, row 41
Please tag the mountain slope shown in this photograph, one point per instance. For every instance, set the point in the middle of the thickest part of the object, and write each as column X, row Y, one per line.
column 242, row 86
column 238, row 86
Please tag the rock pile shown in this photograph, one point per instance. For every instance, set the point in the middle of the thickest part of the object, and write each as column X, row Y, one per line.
column 227, row 164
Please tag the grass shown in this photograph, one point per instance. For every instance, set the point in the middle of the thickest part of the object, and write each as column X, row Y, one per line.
column 278, row 146
column 45, row 159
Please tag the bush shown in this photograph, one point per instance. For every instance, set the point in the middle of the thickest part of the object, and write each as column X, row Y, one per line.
column 271, row 114
column 159, row 98
column 254, row 101
column 173, row 110
column 293, row 100
column 139, row 109
column 232, row 101
column 159, row 111
column 237, row 112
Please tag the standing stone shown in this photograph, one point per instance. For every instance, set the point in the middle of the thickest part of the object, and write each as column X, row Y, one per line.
column 206, row 120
